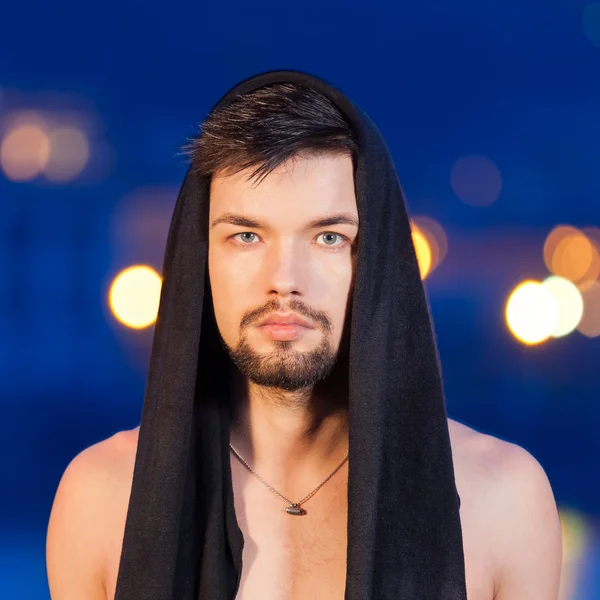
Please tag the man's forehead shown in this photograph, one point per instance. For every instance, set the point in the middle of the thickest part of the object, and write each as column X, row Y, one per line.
column 309, row 194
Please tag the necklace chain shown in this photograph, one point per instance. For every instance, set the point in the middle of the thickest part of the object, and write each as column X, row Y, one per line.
column 239, row 456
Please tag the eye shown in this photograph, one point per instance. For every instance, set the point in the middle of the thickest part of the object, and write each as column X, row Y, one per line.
column 242, row 241
column 328, row 235
column 247, row 238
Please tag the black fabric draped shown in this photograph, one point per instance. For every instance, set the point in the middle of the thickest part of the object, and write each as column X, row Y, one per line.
column 182, row 540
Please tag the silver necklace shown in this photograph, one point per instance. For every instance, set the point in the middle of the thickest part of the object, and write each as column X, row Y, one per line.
column 294, row 508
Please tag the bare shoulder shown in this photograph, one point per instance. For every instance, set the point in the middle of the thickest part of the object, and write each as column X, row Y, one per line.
column 479, row 454
column 497, row 472
column 509, row 502
column 91, row 496
column 105, row 464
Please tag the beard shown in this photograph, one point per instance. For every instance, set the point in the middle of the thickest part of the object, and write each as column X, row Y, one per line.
column 284, row 367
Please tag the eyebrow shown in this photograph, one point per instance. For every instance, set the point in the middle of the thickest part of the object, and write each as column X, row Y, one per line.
column 242, row 221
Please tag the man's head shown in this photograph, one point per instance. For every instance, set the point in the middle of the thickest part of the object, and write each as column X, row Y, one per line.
column 283, row 230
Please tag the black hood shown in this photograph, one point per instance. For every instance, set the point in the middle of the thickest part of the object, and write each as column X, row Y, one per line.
column 182, row 539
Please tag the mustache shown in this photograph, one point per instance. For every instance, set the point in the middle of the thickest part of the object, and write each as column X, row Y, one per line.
column 294, row 306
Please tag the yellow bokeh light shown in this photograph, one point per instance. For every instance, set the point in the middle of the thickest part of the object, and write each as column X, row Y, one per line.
column 590, row 321
column 435, row 237
column 574, row 534
column 532, row 312
column 575, row 537
column 25, row 149
column 69, row 153
column 570, row 304
column 134, row 296
column 422, row 250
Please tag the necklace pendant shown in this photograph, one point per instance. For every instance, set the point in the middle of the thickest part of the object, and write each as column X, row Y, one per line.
column 294, row 509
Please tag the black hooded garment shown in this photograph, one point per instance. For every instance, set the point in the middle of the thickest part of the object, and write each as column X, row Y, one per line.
column 182, row 540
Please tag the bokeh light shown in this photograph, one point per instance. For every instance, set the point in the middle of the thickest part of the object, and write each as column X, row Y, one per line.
column 593, row 235
column 575, row 541
column 590, row 320
column 422, row 250
column 570, row 304
column 574, row 534
column 476, row 180
column 435, row 236
column 554, row 238
column 570, row 253
column 25, row 148
column 69, row 154
column 134, row 296
column 140, row 225
column 591, row 23
column 532, row 312
column 573, row 257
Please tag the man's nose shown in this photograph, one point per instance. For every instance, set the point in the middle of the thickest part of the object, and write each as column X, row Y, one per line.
column 286, row 268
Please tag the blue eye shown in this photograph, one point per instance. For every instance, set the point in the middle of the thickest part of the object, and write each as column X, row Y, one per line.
column 244, row 233
column 247, row 238
column 331, row 233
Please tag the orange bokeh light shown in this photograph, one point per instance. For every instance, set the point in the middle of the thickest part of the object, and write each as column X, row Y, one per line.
column 590, row 321
column 25, row 149
column 570, row 253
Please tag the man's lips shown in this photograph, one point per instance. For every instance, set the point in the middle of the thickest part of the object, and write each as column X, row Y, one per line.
column 285, row 320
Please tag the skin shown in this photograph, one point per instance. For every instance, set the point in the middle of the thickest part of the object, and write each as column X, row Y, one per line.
column 287, row 427
column 291, row 420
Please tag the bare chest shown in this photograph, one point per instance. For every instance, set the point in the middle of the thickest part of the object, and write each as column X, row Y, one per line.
column 312, row 563
column 294, row 558
column 297, row 557
column 289, row 557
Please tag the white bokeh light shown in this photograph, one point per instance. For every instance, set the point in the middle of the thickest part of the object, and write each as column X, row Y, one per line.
column 532, row 312
column 134, row 296
column 570, row 304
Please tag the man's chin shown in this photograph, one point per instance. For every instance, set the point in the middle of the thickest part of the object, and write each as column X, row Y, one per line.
column 283, row 374
column 291, row 373
column 280, row 381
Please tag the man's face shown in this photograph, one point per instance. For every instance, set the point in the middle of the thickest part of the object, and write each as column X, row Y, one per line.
column 277, row 261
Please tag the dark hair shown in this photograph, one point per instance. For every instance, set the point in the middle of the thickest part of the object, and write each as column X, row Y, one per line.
column 268, row 126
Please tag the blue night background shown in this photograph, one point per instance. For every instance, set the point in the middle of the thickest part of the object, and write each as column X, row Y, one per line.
column 492, row 113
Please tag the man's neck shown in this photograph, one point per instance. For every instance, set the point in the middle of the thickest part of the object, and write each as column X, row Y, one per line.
column 288, row 436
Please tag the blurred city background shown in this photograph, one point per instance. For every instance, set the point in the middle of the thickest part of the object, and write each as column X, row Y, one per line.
column 492, row 113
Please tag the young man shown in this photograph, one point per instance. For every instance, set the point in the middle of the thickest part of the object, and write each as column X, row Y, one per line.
column 294, row 442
